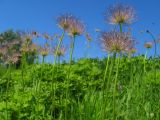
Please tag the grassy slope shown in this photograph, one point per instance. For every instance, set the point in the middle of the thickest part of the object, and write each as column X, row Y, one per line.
column 42, row 89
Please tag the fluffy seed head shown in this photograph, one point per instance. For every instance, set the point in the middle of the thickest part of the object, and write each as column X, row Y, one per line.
column 24, row 49
column 120, row 14
column 33, row 48
column 116, row 41
column 26, row 38
column 64, row 21
column 76, row 27
column 132, row 50
column 60, row 52
column 71, row 24
column 148, row 45
column 44, row 51
column 47, row 36
column 13, row 59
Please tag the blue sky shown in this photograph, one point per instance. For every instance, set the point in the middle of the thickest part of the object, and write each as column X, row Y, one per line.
column 40, row 15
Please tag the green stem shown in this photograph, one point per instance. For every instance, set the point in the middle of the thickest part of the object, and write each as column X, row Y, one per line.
column 68, row 78
column 111, row 69
column 58, row 46
column 58, row 60
column 43, row 59
column 55, row 61
column 104, row 79
column 104, row 83
column 114, row 92
column 120, row 27
column 155, row 44
column 144, row 67
column 22, row 70
column 71, row 55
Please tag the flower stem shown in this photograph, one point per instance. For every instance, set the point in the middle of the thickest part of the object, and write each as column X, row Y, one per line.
column 155, row 44
column 144, row 68
column 114, row 91
column 70, row 63
column 104, row 84
column 59, row 45
column 120, row 27
column 43, row 59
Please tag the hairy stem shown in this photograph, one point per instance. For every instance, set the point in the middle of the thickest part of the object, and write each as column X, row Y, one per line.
column 114, row 91
column 59, row 45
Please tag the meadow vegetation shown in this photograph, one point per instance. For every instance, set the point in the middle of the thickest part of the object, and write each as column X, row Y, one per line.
column 121, row 86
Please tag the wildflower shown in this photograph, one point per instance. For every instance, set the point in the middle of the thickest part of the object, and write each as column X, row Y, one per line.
column 59, row 52
column 131, row 50
column 120, row 14
column 33, row 48
column 27, row 38
column 116, row 41
column 46, row 36
column 24, row 49
column 148, row 45
column 44, row 51
column 64, row 21
column 88, row 37
column 70, row 24
column 76, row 27
column 13, row 59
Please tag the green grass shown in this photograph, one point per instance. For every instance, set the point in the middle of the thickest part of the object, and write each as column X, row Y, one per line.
column 41, row 95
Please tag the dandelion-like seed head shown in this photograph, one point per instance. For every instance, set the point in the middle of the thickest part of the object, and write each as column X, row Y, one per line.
column 148, row 45
column 24, row 49
column 44, row 51
column 116, row 41
column 120, row 14
column 132, row 50
column 33, row 48
column 47, row 36
column 64, row 21
column 27, row 38
column 71, row 24
column 13, row 59
column 76, row 27
column 60, row 52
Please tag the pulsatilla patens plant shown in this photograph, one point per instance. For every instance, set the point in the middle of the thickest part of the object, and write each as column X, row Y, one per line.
column 61, row 52
column 116, row 42
column 64, row 20
column 148, row 45
column 120, row 14
column 28, row 48
column 76, row 28
column 44, row 51
column 73, row 26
